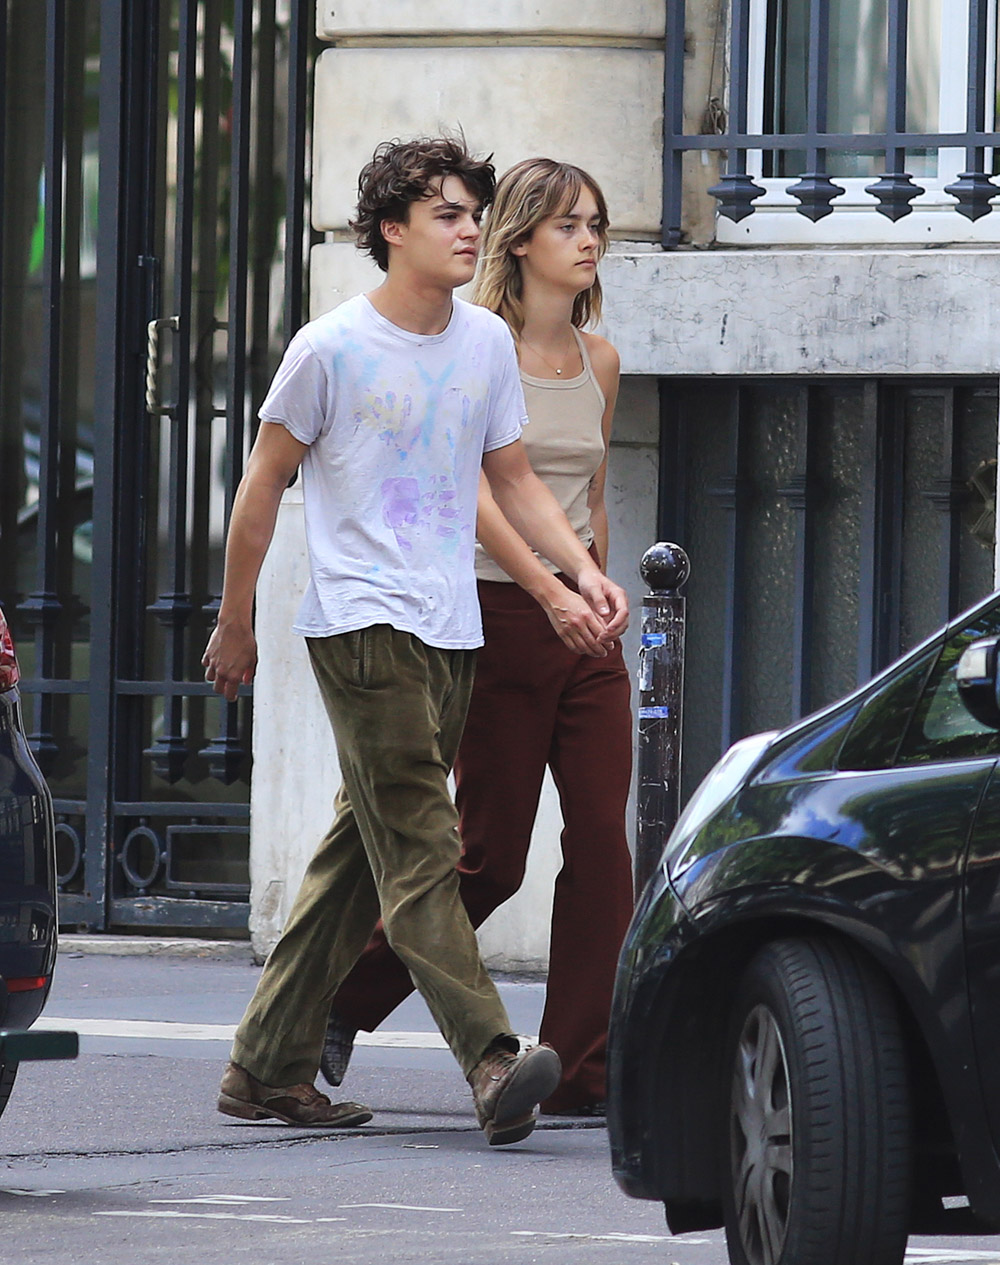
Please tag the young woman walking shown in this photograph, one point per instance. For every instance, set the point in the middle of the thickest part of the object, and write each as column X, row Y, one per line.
column 551, row 689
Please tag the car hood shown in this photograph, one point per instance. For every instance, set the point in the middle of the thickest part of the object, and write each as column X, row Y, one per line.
column 713, row 794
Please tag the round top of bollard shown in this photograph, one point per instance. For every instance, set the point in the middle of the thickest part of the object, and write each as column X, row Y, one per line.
column 665, row 567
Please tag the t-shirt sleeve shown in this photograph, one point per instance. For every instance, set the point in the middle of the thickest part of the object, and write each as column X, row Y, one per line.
column 507, row 411
column 298, row 395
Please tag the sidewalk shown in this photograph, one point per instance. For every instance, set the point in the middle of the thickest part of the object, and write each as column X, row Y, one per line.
column 155, row 1025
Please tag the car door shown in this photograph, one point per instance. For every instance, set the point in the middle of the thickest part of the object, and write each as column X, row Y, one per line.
column 962, row 957
column 982, row 942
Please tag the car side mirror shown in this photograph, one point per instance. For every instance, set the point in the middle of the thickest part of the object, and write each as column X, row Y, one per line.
column 976, row 675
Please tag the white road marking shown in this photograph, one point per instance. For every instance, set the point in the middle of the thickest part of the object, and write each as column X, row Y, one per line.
column 29, row 1194
column 173, row 1215
column 947, row 1256
column 402, row 1207
column 227, row 1199
column 609, row 1238
column 169, row 1030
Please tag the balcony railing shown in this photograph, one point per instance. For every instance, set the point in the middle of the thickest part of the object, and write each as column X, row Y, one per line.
column 894, row 190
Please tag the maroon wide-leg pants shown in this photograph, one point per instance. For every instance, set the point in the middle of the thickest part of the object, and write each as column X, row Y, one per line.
column 536, row 703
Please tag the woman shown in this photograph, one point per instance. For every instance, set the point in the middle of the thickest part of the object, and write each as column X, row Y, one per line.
column 547, row 692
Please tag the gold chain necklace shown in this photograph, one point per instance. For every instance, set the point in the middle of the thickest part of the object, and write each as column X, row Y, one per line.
column 545, row 359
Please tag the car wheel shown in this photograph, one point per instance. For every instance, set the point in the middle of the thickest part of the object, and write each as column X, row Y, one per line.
column 816, row 1169
column 7, row 1073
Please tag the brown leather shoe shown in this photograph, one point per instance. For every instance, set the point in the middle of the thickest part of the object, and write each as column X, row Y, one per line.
column 507, row 1088
column 245, row 1097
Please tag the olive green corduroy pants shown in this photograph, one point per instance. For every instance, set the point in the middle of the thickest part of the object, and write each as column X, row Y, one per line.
column 397, row 707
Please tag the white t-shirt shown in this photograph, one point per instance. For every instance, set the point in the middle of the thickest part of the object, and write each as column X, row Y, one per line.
column 397, row 424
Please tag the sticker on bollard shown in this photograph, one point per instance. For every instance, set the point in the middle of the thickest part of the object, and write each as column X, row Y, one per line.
column 664, row 567
column 24, row 1047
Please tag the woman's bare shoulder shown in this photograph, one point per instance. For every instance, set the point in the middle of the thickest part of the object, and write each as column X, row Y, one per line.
column 603, row 355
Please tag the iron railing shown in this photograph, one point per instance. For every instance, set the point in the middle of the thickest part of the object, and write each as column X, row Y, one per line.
column 894, row 190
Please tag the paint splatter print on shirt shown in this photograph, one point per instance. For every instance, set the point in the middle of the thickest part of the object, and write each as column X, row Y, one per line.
column 396, row 425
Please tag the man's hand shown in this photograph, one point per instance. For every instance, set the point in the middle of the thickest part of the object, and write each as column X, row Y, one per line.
column 607, row 599
column 230, row 658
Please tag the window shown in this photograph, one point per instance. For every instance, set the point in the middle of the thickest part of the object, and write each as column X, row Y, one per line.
column 857, row 69
column 876, row 734
column 942, row 728
column 857, row 102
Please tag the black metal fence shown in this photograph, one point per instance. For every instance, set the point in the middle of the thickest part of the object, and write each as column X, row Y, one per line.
column 153, row 176
column 894, row 189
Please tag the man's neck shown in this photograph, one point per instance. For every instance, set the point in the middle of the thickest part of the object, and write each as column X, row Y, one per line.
column 419, row 309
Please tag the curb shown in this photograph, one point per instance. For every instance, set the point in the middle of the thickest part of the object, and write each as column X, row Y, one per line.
column 155, row 946
column 70, row 942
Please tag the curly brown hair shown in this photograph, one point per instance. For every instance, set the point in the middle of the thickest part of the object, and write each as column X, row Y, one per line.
column 403, row 172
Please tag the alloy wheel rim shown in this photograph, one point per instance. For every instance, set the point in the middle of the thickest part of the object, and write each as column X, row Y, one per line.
column 760, row 1138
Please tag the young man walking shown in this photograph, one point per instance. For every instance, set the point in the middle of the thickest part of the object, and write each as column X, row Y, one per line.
column 390, row 404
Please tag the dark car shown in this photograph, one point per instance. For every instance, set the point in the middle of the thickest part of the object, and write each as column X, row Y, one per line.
column 28, row 922
column 805, row 1037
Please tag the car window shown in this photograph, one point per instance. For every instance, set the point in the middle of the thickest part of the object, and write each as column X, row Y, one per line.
column 942, row 728
column 877, row 731
column 812, row 751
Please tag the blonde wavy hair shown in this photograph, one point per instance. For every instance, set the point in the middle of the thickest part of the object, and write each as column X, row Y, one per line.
column 530, row 192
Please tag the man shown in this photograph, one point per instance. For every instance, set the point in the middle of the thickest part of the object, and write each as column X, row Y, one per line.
column 391, row 403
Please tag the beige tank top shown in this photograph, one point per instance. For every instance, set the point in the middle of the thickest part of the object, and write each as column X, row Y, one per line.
column 565, row 445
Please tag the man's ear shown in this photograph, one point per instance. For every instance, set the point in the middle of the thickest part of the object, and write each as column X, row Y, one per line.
column 392, row 231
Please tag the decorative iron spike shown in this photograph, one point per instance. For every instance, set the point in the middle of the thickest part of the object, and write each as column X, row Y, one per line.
column 974, row 191
column 894, row 191
column 169, row 755
column 224, row 757
column 815, row 191
column 735, row 194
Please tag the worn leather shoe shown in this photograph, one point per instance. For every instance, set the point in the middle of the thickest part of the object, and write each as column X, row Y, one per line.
column 247, row 1098
column 506, row 1089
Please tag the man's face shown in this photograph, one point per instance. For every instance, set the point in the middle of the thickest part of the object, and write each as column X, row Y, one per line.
column 439, row 241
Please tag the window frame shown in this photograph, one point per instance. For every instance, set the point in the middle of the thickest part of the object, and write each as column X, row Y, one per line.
column 934, row 219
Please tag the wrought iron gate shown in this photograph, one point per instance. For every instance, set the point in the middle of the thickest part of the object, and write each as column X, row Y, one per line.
column 153, row 164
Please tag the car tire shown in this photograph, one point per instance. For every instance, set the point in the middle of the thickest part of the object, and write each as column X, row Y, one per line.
column 817, row 1151
column 8, row 1071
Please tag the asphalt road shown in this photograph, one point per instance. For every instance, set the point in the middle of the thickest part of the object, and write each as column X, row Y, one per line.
column 121, row 1158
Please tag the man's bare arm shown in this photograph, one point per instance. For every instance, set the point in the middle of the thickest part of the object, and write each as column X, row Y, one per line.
column 230, row 657
column 568, row 613
column 536, row 515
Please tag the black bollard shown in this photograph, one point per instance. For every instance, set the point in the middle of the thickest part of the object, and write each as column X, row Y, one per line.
column 664, row 567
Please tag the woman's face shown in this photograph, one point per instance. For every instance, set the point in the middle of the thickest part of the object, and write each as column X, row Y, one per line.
column 562, row 251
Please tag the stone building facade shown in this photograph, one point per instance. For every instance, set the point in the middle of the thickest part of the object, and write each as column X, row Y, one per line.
column 809, row 406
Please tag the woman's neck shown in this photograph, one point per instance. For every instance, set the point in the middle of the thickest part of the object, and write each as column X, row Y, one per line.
column 548, row 316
